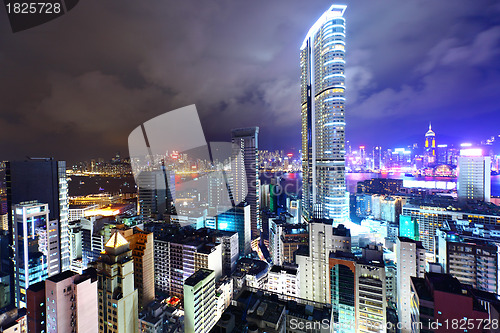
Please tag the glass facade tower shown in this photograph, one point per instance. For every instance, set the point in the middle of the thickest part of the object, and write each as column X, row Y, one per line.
column 246, row 185
column 35, row 247
column 322, row 62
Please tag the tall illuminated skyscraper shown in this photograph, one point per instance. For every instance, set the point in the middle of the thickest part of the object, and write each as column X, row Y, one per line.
column 322, row 62
column 430, row 148
column 246, row 185
column 43, row 180
column 36, row 251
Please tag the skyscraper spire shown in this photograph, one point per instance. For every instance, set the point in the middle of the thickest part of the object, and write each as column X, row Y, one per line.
column 430, row 132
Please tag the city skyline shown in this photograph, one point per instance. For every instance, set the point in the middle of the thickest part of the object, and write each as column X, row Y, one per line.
column 402, row 73
column 385, row 218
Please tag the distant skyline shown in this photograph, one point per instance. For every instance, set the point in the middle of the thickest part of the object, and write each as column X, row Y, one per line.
column 75, row 87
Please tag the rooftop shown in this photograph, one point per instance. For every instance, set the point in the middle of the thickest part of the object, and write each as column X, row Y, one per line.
column 341, row 230
column 37, row 286
column 409, row 240
column 324, row 221
column 198, row 276
column 252, row 266
column 335, row 11
column 61, row 276
column 289, row 269
column 303, row 250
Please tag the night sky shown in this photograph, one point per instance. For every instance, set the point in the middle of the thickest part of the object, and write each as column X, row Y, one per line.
column 75, row 87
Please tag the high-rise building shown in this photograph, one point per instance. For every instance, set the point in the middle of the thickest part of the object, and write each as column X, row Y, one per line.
column 118, row 299
column 217, row 197
column 199, row 302
column 156, row 193
column 358, row 291
column 322, row 63
column 438, row 300
column 410, row 256
column 66, row 302
column 431, row 217
column 391, row 287
column 224, row 294
column 35, row 306
column 71, row 303
column 428, row 219
column 142, row 246
column 474, row 176
column 36, row 247
column 177, row 257
column 80, row 232
column 314, row 263
column 230, row 249
column 471, row 259
column 238, row 219
column 371, row 296
column 343, row 290
column 377, row 158
column 293, row 208
column 430, row 157
column 246, row 186
column 43, row 180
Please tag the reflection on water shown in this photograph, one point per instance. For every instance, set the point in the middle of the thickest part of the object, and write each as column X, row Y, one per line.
column 293, row 181
column 352, row 180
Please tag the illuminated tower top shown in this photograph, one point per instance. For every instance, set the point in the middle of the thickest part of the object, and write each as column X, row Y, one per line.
column 430, row 148
column 430, row 132
column 334, row 11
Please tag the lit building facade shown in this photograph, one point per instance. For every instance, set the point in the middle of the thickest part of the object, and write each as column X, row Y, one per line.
column 430, row 218
column 117, row 297
column 36, row 247
column 471, row 259
column 430, row 157
column 474, row 176
column 199, row 302
column 322, row 62
column 358, row 291
column 408, row 227
column 156, row 193
column 43, row 180
column 141, row 244
column 410, row 256
column 238, row 219
column 176, row 260
column 377, row 158
column 71, row 303
column 343, row 291
column 246, row 185
column 314, row 261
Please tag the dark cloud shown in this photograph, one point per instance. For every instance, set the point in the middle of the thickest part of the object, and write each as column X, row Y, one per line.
column 74, row 88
